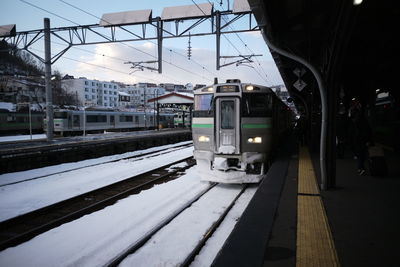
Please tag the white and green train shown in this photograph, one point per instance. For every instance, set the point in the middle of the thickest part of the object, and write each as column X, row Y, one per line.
column 234, row 128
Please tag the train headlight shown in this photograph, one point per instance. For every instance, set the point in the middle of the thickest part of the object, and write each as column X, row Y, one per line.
column 249, row 87
column 204, row 138
column 254, row 140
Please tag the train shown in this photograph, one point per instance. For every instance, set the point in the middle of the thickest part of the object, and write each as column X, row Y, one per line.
column 71, row 122
column 235, row 129
column 20, row 122
column 182, row 119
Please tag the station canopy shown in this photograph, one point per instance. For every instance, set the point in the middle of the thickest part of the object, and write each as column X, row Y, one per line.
column 174, row 98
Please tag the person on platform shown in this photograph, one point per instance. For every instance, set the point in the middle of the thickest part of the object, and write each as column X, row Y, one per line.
column 361, row 136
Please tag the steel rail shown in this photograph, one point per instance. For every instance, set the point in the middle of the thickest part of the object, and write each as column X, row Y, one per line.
column 78, row 213
column 156, row 153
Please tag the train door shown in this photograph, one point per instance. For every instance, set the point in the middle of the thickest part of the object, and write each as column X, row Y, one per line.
column 76, row 122
column 228, row 125
column 69, row 121
column 112, row 121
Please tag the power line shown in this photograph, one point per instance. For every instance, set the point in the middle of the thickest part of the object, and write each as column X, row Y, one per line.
column 86, row 12
column 248, row 48
column 114, row 58
column 54, row 14
column 45, row 10
column 99, row 66
column 229, row 41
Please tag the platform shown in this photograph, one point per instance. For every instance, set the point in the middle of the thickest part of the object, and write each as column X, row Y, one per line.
column 290, row 222
column 23, row 155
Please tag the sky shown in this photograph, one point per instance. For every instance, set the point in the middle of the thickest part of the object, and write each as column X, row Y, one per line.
column 107, row 62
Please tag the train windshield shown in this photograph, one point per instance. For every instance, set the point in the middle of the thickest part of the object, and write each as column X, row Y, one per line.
column 203, row 105
column 60, row 115
column 256, row 105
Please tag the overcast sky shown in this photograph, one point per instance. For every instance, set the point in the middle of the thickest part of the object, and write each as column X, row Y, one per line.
column 106, row 62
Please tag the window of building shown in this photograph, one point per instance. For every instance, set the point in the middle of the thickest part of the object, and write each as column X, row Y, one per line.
column 86, row 82
column 86, row 89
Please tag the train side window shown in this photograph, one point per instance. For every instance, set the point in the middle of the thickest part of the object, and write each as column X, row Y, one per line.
column 125, row 118
column 11, row 118
column 96, row 118
column 137, row 119
column 60, row 115
column 256, row 105
column 203, row 105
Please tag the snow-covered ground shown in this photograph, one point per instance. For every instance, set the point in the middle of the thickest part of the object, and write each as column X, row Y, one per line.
column 15, row 177
column 17, row 199
column 97, row 238
column 21, row 137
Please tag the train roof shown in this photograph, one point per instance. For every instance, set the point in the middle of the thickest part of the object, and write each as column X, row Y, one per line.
column 234, row 82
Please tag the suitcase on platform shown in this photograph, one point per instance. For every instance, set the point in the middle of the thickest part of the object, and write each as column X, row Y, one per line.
column 377, row 162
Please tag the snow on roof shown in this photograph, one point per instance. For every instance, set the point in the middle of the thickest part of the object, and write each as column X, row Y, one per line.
column 123, row 93
column 8, row 106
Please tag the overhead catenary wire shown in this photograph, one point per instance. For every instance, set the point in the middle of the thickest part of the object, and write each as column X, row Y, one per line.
column 88, row 13
column 114, row 58
column 230, row 42
column 248, row 48
column 170, row 63
column 99, row 66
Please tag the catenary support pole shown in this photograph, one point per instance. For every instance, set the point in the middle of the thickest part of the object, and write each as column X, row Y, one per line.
column 47, row 76
column 218, row 36
column 159, row 42
column 324, row 112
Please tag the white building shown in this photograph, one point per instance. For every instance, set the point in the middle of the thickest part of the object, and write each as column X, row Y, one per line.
column 93, row 92
column 140, row 94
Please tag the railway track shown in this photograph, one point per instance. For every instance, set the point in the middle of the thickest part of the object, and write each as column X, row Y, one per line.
column 134, row 157
column 206, row 233
column 24, row 227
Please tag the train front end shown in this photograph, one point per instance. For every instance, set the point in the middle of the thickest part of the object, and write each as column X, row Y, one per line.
column 231, row 132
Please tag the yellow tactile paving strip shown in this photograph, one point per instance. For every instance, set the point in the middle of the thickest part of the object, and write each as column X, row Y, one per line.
column 315, row 246
column 307, row 181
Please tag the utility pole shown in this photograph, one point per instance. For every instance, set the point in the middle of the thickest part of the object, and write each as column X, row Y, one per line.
column 47, row 75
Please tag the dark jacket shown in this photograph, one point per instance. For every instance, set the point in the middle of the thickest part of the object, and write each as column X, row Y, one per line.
column 361, row 132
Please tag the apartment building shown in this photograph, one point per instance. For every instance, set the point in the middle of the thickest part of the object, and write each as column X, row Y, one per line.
column 92, row 92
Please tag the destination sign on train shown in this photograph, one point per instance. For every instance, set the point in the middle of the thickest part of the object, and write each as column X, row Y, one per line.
column 228, row 89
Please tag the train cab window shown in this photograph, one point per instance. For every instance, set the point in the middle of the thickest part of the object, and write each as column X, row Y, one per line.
column 203, row 105
column 227, row 114
column 256, row 105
